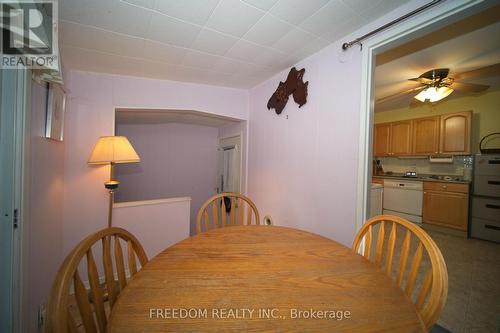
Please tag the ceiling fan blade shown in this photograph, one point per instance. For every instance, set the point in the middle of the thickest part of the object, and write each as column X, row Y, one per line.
column 436, row 73
column 469, row 87
column 422, row 80
column 397, row 95
column 488, row 71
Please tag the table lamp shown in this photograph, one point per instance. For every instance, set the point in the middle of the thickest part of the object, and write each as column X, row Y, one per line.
column 112, row 150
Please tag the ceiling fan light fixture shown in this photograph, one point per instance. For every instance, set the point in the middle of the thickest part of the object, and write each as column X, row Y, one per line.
column 421, row 96
column 433, row 94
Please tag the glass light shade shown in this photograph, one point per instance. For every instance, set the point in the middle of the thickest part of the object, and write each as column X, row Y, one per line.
column 433, row 94
column 113, row 149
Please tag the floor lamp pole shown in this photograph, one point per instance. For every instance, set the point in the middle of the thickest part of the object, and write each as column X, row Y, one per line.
column 111, row 185
column 110, row 210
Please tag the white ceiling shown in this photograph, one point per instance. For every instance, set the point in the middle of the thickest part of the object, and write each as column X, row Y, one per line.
column 221, row 42
column 468, row 51
column 161, row 116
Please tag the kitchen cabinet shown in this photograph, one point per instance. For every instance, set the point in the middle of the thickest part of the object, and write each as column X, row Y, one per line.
column 446, row 204
column 382, row 140
column 426, row 136
column 393, row 139
column 448, row 134
column 401, row 138
column 455, row 134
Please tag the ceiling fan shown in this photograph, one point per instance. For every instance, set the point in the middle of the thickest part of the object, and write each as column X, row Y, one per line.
column 436, row 84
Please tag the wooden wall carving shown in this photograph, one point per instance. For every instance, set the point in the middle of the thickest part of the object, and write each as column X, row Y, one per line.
column 295, row 85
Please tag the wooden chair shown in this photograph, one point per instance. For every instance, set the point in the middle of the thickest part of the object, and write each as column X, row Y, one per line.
column 224, row 204
column 431, row 296
column 92, row 304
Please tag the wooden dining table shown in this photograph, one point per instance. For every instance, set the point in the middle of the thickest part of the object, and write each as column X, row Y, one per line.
column 262, row 279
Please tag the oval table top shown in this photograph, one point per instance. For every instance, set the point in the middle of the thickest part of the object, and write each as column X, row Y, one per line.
column 262, row 279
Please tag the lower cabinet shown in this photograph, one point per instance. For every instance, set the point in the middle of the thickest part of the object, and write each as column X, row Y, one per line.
column 446, row 204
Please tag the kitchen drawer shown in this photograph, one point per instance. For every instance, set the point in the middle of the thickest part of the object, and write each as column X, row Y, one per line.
column 446, row 187
column 487, row 185
column 378, row 180
column 485, row 229
column 487, row 165
column 486, row 208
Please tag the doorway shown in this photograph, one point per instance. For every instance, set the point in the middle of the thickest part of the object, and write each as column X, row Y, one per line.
column 470, row 308
column 229, row 170
column 184, row 154
column 428, row 21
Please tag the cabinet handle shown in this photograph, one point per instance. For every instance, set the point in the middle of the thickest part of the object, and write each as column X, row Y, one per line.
column 492, row 206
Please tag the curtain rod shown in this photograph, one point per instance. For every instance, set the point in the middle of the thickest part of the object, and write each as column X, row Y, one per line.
column 347, row 45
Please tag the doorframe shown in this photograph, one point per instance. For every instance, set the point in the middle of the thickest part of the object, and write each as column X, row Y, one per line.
column 439, row 16
column 19, row 199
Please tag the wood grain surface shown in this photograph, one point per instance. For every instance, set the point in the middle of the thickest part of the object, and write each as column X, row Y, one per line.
column 278, row 269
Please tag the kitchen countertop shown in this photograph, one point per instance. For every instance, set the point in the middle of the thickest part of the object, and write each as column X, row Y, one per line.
column 426, row 178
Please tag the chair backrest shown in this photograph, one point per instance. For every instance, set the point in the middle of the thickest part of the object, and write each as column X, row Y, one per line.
column 430, row 297
column 92, row 304
column 226, row 209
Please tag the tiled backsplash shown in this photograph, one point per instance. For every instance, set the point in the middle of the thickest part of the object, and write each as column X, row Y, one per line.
column 461, row 166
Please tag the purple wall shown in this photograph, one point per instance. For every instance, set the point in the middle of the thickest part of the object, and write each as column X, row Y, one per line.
column 177, row 160
column 90, row 114
column 46, row 186
column 303, row 170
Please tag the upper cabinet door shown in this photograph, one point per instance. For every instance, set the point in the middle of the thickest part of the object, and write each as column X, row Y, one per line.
column 382, row 140
column 426, row 136
column 455, row 134
column 401, row 138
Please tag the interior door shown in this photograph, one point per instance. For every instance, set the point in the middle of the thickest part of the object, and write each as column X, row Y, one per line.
column 229, row 174
column 12, row 125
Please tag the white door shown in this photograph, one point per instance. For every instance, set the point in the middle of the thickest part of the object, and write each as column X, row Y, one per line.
column 13, row 108
column 229, row 171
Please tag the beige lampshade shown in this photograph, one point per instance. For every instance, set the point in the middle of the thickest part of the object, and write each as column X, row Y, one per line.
column 113, row 149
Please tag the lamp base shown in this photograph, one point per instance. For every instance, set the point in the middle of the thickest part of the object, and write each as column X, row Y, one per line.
column 111, row 185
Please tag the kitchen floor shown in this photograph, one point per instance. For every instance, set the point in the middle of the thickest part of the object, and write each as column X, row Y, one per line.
column 473, row 304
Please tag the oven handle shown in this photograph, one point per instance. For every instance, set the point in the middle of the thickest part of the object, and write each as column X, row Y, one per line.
column 492, row 206
column 489, row 226
column 493, row 182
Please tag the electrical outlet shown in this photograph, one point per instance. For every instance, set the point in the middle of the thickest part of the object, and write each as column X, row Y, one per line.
column 42, row 312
